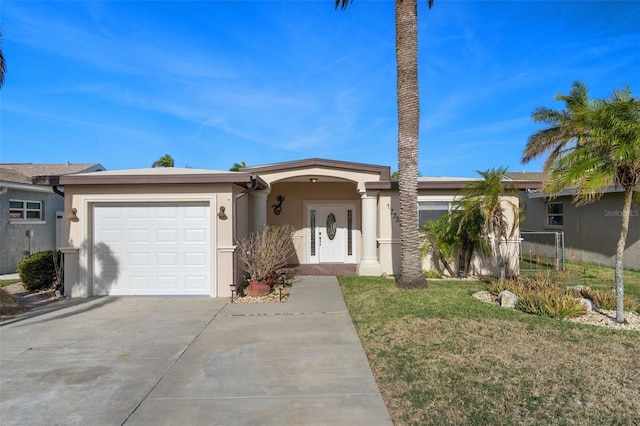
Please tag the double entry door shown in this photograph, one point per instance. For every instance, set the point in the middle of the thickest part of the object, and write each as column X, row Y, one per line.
column 331, row 229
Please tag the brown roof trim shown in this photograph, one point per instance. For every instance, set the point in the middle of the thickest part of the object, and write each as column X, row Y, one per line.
column 383, row 171
column 528, row 184
column 448, row 184
column 238, row 178
column 421, row 185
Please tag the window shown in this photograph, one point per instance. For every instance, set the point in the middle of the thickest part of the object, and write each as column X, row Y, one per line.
column 25, row 210
column 432, row 211
column 555, row 214
column 313, row 232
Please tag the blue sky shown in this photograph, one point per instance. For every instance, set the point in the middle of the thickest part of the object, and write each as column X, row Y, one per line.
column 216, row 82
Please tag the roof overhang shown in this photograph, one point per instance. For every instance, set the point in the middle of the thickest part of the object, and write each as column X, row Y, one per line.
column 570, row 192
column 164, row 177
column 449, row 183
column 382, row 171
column 24, row 187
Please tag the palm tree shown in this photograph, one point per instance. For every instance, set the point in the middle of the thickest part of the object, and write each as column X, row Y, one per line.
column 440, row 237
column 458, row 229
column 563, row 125
column 164, row 161
column 406, row 17
column 237, row 166
column 3, row 64
column 500, row 216
column 600, row 147
column 470, row 230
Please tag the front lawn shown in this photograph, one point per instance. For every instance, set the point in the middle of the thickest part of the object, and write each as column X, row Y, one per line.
column 442, row 357
column 4, row 283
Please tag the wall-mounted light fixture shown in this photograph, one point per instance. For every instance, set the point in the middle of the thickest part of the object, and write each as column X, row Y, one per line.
column 277, row 208
column 313, row 180
column 72, row 215
column 221, row 214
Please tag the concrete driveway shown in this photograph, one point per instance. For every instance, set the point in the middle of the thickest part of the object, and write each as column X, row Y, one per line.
column 189, row 361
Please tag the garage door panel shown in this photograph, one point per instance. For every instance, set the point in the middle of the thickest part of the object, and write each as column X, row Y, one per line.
column 194, row 283
column 195, row 235
column 138, row 283
column 168, row 213
column 167, row 236
column 139, row 259
column 151, row 250
column 138, row 235
column 195, row 259
column 138, row 213
column 196, row 212
column 168, row 282
column 167, row 260
column 111, row 236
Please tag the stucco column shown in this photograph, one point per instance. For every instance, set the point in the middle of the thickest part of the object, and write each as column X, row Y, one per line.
column 72, row 285
column 259, row 209
column 369, row 262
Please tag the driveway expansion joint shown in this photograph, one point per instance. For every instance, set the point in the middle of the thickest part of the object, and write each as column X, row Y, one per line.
column 283, row 314
column 292, row 396
column 173, row 363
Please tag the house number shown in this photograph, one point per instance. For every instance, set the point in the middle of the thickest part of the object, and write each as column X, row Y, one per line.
column 395, row 216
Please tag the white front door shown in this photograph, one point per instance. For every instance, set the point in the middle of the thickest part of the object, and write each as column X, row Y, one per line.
column 330, row 233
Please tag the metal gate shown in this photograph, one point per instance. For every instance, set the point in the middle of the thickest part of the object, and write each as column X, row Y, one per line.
column 542, row 250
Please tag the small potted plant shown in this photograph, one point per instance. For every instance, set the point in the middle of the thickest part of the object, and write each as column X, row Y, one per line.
column 262, row 254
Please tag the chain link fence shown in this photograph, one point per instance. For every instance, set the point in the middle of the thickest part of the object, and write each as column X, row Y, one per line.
column 542, row 250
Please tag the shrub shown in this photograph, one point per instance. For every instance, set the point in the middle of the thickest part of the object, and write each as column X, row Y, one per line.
column 38, row 270
column 607, row 299
column 523, row 285
column 263, row 253
column 541, row 296
column 430, row 273
column 552, row 305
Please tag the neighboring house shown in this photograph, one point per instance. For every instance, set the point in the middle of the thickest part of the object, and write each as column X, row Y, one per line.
column 31, row 215
column 591, row 232
column 174, row 231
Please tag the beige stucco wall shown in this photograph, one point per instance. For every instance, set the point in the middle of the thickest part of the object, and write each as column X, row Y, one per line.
column 389, row 231
column 591, row 231
column 298, row 195
column 389, row 236
column 332, row 174
column 243, row 227
column 79, row 234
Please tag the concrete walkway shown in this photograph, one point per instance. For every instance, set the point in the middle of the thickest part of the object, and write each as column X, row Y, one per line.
column 190, row 361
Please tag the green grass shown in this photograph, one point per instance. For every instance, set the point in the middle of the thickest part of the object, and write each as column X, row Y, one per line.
column 4, row 283
column 442, row 357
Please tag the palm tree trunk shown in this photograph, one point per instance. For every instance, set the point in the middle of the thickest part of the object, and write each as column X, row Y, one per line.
column 445, row 262
column 501, row 264
column 626, row 212
column 408, row 131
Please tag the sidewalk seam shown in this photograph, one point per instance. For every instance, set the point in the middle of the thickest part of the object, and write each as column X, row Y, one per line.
column 175, row 361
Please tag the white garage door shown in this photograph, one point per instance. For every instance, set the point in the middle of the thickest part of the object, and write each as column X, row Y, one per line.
column 151, row 249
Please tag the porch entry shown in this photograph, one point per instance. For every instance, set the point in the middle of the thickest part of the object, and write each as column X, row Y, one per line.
column 330, row 237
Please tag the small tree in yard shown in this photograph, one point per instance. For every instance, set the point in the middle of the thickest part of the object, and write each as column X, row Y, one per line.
column 263, row 253
column 457, row 229
column 440, row 238
column 486, row 197
column 592, row 144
